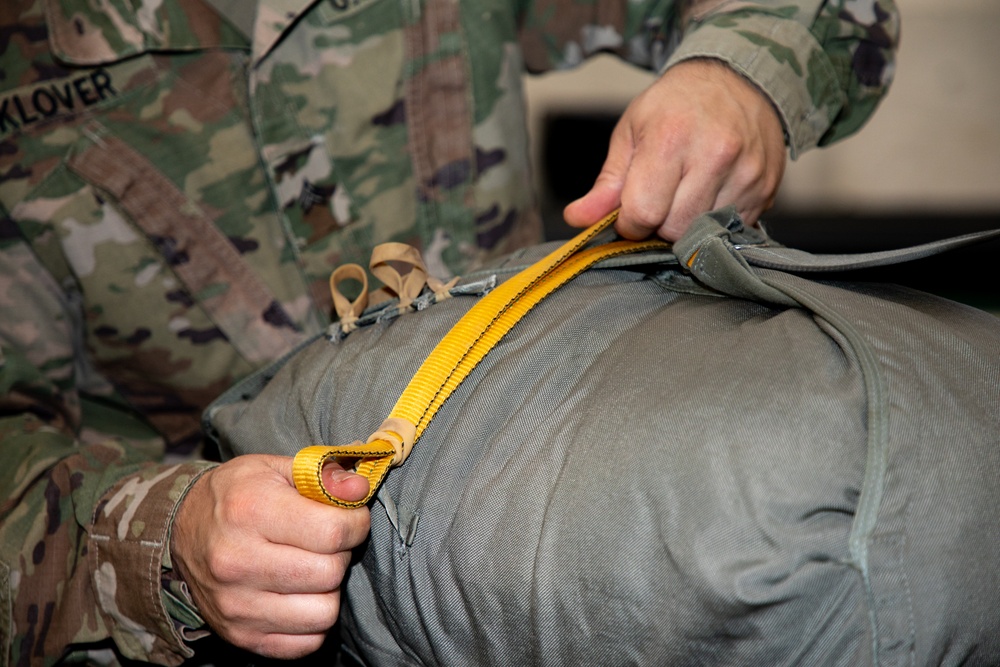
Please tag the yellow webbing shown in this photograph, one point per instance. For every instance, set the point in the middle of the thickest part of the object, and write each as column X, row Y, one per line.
column 454, row 357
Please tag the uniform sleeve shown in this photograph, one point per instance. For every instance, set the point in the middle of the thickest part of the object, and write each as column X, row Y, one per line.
column 85, row 518
column 824, row 65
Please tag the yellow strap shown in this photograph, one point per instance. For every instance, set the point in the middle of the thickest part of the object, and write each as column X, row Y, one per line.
column 451, row 361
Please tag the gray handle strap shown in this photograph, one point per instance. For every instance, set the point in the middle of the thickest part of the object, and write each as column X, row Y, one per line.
column 790, row 259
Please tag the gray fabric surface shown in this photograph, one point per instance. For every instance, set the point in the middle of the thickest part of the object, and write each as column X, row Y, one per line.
column 648, row 472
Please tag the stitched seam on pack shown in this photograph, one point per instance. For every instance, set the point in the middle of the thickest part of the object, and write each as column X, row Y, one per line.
column 876, row 462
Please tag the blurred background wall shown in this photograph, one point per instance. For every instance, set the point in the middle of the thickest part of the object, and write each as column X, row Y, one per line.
column 926, row 166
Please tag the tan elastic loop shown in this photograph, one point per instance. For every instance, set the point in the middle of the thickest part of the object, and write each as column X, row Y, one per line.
column 400, row 433
column 349, row 311
column 408, row 285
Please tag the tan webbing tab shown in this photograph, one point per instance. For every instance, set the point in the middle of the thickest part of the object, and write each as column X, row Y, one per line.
column 408, row 284
column 349, row 311
column 456, row 355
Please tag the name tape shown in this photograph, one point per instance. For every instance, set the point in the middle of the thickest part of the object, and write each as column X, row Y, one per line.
column 67, row 96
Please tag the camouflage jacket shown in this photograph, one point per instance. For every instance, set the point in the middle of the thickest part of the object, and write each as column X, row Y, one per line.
column 178, row 178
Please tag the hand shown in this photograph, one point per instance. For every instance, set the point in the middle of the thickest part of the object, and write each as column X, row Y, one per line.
column 701, row 137
column 264, row 564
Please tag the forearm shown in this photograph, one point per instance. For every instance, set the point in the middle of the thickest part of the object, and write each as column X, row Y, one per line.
column 83, row 532
column 824, row 66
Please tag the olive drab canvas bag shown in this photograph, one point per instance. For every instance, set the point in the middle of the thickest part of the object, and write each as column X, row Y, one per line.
column 698, row 454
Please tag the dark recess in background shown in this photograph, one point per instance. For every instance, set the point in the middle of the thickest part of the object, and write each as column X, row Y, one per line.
column 574, row 147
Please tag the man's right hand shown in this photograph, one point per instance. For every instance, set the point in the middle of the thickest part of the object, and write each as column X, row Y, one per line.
column 263, row 564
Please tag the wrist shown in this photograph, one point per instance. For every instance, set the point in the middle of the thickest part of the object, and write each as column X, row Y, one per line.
column 129, row 537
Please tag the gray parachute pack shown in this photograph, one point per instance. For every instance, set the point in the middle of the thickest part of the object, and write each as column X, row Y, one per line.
column 704, row 456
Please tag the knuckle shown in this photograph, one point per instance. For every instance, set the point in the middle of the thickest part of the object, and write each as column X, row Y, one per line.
column 327, row 616
column 237, row 508
column 642, row 214
column 725, row 148
column 330, row 571
column 336, row 537
column 322, row 613
column 753, row 165
column 338, row 568
column 233, row 614
column 673, row 229
column 772, row 181
column 348, row 530
column 326, row 572
column 225, row 565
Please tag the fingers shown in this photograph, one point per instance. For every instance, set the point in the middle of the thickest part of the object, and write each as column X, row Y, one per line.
column 700, row 138
column 654, row 176
column 696, row 194
column 260, row 614
column 278, row 626
column 263, row 563
column 252, row 498
column 341, row 483
column 291, row 519
column 605, row 195
column 276, row 568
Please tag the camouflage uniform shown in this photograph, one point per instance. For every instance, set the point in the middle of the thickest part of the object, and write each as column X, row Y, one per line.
column 177, row 180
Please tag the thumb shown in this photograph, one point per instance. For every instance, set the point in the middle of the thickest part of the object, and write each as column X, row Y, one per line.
column 605, row 195
column 344, row 484
column 340, row 483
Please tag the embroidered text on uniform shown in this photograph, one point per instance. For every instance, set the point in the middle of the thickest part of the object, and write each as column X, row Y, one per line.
column 25, row 108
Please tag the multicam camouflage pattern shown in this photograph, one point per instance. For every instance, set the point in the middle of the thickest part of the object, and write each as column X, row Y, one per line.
column 58, row 490
column 825, row 65
column 174, row 194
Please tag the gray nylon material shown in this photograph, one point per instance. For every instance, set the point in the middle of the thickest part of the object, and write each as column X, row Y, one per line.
column 638, row 474
column 791, row 259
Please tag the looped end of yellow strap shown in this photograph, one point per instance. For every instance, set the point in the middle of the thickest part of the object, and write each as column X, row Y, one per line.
column 373, row 462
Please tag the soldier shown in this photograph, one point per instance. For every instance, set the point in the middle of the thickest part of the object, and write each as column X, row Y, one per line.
column 178, row 178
